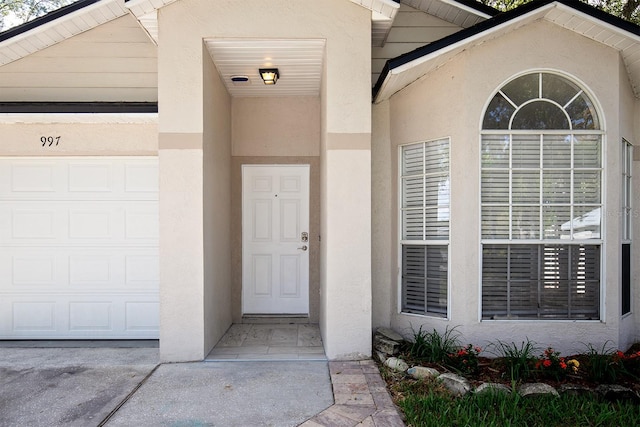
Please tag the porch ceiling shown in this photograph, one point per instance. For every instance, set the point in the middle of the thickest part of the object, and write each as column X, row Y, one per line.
column 299, row 62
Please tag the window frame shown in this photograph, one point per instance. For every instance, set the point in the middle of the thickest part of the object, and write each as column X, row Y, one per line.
column 626, row 251
column 429, row 242
column 541, row 240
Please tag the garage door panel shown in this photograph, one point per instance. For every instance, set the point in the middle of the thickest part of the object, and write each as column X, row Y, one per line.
column 38, row 269
column 141, row 178
column 75, row 316
column 107, row 223
column 79, row 248
column 32, row 270
column 34, row 316
column 79, row 179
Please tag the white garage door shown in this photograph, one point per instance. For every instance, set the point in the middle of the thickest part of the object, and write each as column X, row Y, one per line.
column 79, row 248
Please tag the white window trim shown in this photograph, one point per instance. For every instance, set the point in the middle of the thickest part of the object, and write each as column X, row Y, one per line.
column 603, row 226
column 421, row 242
column 627, row 238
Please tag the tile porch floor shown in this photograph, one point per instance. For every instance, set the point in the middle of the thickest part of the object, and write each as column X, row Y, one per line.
column 269, row 341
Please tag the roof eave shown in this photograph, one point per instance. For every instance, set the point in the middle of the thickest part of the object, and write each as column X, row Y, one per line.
column 384, row 89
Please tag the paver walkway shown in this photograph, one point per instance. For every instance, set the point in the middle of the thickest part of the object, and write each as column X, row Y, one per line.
column 361, row 398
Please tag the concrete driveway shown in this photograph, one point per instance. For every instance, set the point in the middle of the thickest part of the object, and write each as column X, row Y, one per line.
column 127, row 387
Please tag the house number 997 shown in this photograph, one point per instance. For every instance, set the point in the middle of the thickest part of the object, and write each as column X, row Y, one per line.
column 48, row 141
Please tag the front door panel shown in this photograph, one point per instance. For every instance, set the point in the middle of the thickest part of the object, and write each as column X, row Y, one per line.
column 275, row 246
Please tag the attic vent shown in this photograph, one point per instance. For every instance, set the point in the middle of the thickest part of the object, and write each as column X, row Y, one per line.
column 240, row 80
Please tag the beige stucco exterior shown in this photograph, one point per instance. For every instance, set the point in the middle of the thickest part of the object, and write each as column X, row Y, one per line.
column 103, row 136
column 337, row 132
column 203, row 135
column 449, row 102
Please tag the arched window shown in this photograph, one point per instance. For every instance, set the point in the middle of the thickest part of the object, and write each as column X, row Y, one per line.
column 541, row 198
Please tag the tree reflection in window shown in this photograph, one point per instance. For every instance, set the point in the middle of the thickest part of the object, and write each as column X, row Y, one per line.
column 541, row 101
column 541, row 201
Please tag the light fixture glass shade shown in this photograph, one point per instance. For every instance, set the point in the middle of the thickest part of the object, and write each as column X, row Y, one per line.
column 269, row 75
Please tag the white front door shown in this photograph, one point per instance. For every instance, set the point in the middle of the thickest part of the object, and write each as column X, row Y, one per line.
column 275, row 239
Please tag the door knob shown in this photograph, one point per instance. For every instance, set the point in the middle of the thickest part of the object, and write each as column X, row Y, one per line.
column 304, row 248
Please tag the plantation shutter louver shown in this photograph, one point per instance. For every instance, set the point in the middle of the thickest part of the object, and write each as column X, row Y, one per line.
column 541, row 201
column 425, row 227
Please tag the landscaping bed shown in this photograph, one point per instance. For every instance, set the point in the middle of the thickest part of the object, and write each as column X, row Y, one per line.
column 599, row 387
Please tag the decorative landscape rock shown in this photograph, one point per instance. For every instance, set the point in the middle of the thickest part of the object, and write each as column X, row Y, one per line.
column 457, row 385
column 387, row 341
column 536, row 389
column 575, row 390
column 615, row 392
column 421, row 372
column 390, row 334
column 381, row 357
column 396, row 364
column 385, row 346
column 492, row 388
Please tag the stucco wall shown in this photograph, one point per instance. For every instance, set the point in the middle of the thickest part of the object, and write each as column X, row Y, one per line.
column 449, row 102
column 217, row 199
column 98, row 135
column 382, row 231
column 276, row 126
column 628, row 328
column 346, row 118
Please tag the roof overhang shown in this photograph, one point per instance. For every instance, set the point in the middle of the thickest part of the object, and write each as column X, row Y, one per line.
column 57, row 26
column 572, row 15
column 382, row 14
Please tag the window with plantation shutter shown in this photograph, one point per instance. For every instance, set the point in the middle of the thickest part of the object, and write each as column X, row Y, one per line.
column 424, row 183
column 541, row 201
column 627, row 186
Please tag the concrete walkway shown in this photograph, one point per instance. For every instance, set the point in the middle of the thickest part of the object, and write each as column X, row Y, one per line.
column 127, row 386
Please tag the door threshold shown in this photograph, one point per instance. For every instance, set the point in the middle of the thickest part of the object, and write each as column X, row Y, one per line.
column 275, row 318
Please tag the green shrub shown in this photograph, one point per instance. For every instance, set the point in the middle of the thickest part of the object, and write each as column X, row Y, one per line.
column 518, row 361
column 465, row 360
column 600, row 365
column 433, row 346
column 552, row 365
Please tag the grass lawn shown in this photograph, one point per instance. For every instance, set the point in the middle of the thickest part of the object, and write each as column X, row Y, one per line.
column 427, row 403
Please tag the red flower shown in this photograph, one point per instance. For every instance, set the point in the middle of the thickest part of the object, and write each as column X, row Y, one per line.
column 546, row 363
column 563, row 365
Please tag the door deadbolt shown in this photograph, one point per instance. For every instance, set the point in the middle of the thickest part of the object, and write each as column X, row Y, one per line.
column 304, row 237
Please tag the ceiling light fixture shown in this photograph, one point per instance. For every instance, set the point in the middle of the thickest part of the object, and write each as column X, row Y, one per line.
column 269, row 75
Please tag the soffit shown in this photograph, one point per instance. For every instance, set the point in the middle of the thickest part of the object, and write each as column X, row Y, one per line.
column 62, row 28
column 627, row 43
column 299, row 61
column 450, row 11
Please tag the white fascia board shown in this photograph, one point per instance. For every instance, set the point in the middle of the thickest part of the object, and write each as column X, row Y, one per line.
column 387, row 89
column 468, row 9
column 116, row 6
column 140, row 8
column 597, row 21
column 91, row 118
column 472, row 39
column 387, row 8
